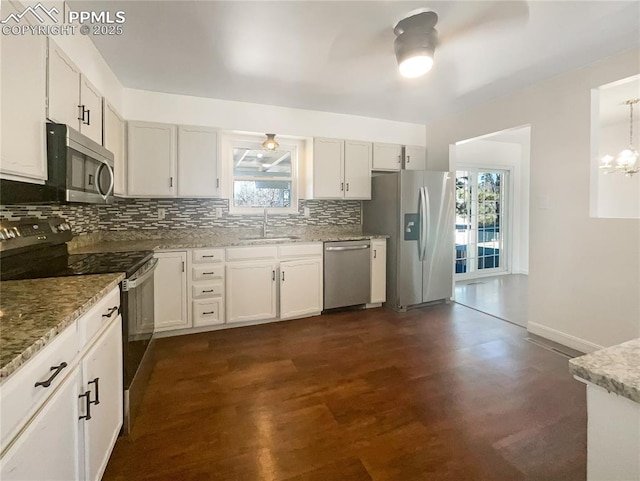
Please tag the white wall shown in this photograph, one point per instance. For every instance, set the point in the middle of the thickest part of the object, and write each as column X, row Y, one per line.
column 513, row 156
column 244, row 116
column 584, row 274
column 618, row 195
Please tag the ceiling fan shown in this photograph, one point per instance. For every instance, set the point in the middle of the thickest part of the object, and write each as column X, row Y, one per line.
column 417, row 38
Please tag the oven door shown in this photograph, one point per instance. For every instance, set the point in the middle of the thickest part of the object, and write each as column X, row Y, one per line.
column 138, row 321
column 88, row 179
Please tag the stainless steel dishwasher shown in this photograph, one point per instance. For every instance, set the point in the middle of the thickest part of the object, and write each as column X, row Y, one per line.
column 347, row 273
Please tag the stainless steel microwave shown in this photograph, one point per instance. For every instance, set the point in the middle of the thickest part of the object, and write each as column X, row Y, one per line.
column 79, row 170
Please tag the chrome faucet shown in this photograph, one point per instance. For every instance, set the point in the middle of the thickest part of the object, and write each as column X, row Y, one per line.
column 264, row 223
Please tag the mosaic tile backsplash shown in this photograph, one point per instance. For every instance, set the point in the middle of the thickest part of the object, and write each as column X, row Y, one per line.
column 128, row 214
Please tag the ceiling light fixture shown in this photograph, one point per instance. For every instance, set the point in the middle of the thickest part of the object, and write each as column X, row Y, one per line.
column 627, row 159
column 415, row 43
column 270, row 143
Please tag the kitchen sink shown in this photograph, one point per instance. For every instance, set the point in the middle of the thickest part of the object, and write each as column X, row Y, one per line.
column 269, row 238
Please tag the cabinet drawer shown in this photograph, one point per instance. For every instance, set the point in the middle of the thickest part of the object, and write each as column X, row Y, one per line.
column 207, row 312
column 300, row 250
column 253, row 252
column 100, row 314
column 19, row 395
column 201, row 273
column 208, row 290
column 201, row 256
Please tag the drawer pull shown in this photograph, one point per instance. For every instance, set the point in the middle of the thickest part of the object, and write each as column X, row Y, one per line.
column 97, row 397
column 110, row 312
column 86, row 395
column 56, row 370
column 207, row 290
column 208, row 312
column 208, row 273
column 211, row 256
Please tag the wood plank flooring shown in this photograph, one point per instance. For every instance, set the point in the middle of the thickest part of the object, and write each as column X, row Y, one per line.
column 438, row 393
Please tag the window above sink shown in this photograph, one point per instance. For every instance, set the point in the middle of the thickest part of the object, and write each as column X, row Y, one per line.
column 260, row 179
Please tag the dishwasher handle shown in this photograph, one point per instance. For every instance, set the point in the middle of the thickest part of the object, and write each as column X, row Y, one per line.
column 348, row 248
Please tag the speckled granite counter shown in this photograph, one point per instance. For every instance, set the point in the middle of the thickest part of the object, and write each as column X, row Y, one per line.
column 616, row 369
column 34, row 311
column 211, row 238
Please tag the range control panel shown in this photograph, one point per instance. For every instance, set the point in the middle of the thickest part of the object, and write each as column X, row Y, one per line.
column 32, row 231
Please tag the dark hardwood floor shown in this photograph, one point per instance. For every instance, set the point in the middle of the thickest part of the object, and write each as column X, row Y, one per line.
column 439, row 393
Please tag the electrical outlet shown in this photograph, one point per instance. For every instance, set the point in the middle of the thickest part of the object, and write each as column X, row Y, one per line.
column 307, row 212
column 218, row 211
column 162, row 213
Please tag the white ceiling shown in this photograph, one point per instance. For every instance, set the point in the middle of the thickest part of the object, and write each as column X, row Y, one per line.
column 338, row 56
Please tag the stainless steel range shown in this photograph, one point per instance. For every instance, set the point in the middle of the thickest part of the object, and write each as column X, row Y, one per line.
column 34, row 248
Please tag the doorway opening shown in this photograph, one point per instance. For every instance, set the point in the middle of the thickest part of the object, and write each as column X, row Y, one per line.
column 492, row 223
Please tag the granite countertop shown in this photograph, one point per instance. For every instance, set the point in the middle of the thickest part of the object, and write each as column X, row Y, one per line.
column 616, row 369
column 194, row 241
column 34, row 311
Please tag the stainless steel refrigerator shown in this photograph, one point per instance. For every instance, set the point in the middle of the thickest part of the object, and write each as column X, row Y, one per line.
column 416, row 210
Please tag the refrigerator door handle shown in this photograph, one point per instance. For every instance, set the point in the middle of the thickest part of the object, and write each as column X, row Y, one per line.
column 421, row 214
column 425, row 219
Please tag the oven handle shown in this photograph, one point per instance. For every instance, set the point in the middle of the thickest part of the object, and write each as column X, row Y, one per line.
column 130, row 284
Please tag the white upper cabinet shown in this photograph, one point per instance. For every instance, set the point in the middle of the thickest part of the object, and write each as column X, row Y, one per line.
column 415, row 158
column 114, row 140
column 341, row 169
column 72, row 99
column 23, row 95
column 328, row 166
column 91, row 105
column 198, row 168
column 63, row 88
column 151, row 159
column 357, row 170
column 387, row 156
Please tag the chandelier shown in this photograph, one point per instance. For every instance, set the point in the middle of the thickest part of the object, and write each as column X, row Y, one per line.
column 627, row 159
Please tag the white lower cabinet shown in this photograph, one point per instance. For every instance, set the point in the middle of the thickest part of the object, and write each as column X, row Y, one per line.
column 101, row 400
column 49, row 447
column 251, row 291
column 65, row 425
column 208, row 312
column 300, row 288
column 378, row 271
column 170, row 291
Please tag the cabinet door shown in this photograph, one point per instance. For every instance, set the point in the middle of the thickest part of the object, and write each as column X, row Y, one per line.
column 198, row 173
column 91, row 102
column 328, row 167
column 387, row 157
column 378, row 270
column 251, row 291
column 357, row 170
column 170, row 291
column 102, row 379
column 48, row 448
column 63, row 88
column 23, row 94
column 151, row 159
column 415, row 158
column 113, row 136
column 300, row 288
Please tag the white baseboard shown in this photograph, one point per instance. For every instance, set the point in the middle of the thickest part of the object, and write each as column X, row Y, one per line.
column 568, row 340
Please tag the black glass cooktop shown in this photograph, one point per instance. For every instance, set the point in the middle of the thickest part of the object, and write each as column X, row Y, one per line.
column 54, row 261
